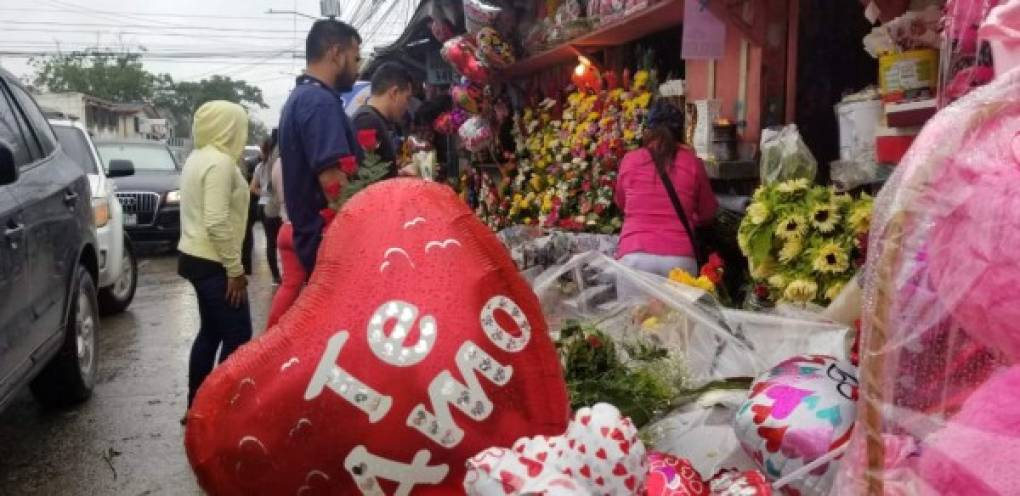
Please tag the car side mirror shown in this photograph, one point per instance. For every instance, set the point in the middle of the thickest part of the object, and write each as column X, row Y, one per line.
column 8, row 169
column 121, row 168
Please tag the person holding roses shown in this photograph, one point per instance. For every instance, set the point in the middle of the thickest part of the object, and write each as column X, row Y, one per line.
column 392, row 86
column 317, row 144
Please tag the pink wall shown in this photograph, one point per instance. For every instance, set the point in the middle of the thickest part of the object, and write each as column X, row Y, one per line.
column 727, row 83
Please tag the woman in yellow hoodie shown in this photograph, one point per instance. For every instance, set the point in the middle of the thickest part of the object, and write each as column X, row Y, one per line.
column 214, row 210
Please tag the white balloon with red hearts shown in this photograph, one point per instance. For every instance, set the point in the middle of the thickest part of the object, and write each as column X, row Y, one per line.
column 801, row 410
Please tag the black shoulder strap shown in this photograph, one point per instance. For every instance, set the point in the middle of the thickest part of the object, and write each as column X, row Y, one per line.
column 679, row 208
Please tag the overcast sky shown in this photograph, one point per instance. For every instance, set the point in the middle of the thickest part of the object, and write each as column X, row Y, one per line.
column 191, row 39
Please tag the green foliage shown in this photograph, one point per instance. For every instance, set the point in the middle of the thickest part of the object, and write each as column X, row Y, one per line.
column 183, row 98
column 119, row 77
column 641, row 380
column 372, row 170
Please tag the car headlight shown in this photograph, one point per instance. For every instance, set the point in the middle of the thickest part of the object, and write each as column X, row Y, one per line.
column 101, row 211
column 173, row 197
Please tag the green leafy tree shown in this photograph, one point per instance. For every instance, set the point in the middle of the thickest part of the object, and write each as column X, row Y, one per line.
column 116, row 76
column 183, row 98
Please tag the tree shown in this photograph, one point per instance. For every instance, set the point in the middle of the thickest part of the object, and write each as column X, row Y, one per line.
column 119, row 77
column 257, row 132
column 182, row 99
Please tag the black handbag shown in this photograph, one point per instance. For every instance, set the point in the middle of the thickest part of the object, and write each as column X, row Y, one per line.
column 699, row 250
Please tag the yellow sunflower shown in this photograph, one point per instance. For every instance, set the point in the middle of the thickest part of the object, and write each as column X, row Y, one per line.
column 793, row 185
column 825, row 217
column 779, row 282
column 801, row 291
column 683, row 277
column 758, row 213
column 860, row 218
column 793, row 226
column 831, row 259
column 791, row 248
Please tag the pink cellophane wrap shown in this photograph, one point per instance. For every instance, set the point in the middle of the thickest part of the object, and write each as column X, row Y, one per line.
column 941, row 325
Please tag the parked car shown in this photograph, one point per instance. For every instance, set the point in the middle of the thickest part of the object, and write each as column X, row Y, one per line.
column 151, row 195
column 49, row 314
column 118, row 268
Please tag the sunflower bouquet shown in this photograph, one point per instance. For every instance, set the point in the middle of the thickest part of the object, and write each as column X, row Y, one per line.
column 803, row 242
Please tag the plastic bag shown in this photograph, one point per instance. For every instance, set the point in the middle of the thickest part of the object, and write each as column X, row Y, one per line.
column 940, row 346
column 850, row 175
column 714, row 343
column 966, row 62
column 784, row 156
column 479, row 14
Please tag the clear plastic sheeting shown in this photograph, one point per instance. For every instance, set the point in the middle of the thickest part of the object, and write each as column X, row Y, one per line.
column 714, row 343
column 939, row 411
column 534, row 249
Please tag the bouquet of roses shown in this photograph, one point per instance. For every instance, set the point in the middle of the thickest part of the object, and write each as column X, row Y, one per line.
column 372, row 170
column 803, row 243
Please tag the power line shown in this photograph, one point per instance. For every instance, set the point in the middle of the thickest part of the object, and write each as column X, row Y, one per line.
column 137, row 26
column 155, row 14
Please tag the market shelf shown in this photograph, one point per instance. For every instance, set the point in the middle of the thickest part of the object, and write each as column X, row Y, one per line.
column 663, row 15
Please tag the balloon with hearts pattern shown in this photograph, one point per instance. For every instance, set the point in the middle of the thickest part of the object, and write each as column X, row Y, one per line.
column 415, row 345
column 802, row 409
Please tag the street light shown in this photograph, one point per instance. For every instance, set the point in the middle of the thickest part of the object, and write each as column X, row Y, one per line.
column 291, row 12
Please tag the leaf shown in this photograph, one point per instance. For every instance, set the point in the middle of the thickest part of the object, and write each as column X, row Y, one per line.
column 761, row 244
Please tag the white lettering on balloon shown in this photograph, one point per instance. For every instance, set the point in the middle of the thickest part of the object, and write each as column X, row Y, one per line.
column 366, row 469
column 444, row 391
column 329, row 374
column 390, row 348
column 499, row 336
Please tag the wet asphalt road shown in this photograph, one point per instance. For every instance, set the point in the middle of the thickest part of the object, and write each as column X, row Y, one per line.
column 127, row 439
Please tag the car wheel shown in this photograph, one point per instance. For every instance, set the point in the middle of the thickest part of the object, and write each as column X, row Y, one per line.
column 71, row 374
column 116, row 298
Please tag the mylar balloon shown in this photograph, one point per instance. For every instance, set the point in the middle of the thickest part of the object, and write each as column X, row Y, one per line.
column 492, row 50
column 467, row 96
column 415, row 345
column 802, row 409
column 476, row 134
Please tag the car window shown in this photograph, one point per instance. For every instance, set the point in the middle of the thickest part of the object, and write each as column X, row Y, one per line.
column 76, row 146
column 40, row 126
column 145, row 158
column 11, row 125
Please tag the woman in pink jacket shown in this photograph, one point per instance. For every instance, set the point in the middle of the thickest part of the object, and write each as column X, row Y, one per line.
column 653, row 238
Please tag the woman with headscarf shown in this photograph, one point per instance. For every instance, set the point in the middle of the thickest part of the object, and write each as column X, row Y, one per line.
column 654, row 238
column 214, row 211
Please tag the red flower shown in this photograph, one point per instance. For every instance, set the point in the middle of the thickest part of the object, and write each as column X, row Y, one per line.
column 327, row 214
column 368, row 139
column 713, row 269
column 333, row 190
column 594, row 342
column 761, row 291
column 348, row 164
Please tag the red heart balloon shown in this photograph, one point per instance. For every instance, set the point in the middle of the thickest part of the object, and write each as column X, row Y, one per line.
column 416, row 345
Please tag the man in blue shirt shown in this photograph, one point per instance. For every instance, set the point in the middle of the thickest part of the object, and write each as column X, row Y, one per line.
column 315, row 132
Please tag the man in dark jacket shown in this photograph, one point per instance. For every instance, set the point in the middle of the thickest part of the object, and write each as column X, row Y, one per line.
column 392, row 87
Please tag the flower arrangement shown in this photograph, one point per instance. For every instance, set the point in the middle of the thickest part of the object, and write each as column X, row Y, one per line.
column 563, row 172
column 373, row 169
column 641, row 380
column 803, row 243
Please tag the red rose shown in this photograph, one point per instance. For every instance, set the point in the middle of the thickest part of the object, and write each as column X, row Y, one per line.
column 761, row 291
column 594, row 342
column 348, row 165
column 368, row 139
column 333, row 190
column 327, row 214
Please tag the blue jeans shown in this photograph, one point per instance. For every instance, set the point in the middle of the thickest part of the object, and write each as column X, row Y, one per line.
column 222, row 326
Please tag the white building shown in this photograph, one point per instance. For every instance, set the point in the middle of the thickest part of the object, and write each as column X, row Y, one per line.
column 106, row 119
